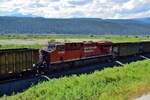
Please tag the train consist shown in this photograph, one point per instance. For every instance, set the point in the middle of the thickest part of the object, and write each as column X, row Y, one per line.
column 58, row 56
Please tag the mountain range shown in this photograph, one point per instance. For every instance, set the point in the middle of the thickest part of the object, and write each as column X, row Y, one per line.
column 30, row 25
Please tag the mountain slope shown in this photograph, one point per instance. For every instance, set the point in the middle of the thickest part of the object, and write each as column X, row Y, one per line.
column 74, row 26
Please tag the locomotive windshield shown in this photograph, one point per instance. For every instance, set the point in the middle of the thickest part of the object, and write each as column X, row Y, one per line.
column 55, row 45
column 51, row 46
column 60, row 47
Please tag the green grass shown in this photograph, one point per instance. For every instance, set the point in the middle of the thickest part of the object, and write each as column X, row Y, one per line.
column 118, row 83
column 74, row 36
column 38, row 41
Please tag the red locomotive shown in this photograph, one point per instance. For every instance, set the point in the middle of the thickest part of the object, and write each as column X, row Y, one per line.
column 57, row 53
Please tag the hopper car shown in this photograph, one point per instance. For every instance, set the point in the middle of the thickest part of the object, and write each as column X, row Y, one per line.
column 125, row 49
column 57, row 56
column 14, row 62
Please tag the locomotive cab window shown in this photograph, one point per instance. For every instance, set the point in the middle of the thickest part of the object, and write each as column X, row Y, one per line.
column 50, row 48
column 60, row 47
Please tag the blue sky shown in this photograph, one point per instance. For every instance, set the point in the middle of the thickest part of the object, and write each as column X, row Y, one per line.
column 112, row 9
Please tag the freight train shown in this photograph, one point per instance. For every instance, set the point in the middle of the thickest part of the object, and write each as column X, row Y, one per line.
column 58, row 56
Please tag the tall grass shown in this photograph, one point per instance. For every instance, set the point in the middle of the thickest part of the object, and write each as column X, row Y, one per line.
column 37, row 40
column 118, row 83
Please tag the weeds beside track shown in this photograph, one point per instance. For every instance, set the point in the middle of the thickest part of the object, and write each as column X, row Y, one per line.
column 118, row 83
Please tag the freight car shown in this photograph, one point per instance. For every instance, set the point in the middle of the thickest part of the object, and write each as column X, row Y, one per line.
column 144, row 47
column 125, row 49
column 120, row 50
column 14, row 62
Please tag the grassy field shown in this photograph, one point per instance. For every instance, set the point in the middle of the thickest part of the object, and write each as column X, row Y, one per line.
column 38, row 41
column 118, row 83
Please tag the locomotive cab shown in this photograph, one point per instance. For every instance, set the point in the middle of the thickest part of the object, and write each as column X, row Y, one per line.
column 44, row 58
column 51, row 46
column 43, row 61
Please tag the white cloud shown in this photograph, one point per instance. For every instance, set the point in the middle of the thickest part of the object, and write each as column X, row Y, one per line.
column 77, row 8
column 139, row 15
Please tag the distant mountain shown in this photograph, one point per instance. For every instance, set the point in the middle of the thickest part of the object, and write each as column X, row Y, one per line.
column 144, row 20
column 74, row 26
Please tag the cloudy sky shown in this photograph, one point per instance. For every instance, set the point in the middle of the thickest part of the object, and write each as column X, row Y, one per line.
column 113, row 9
